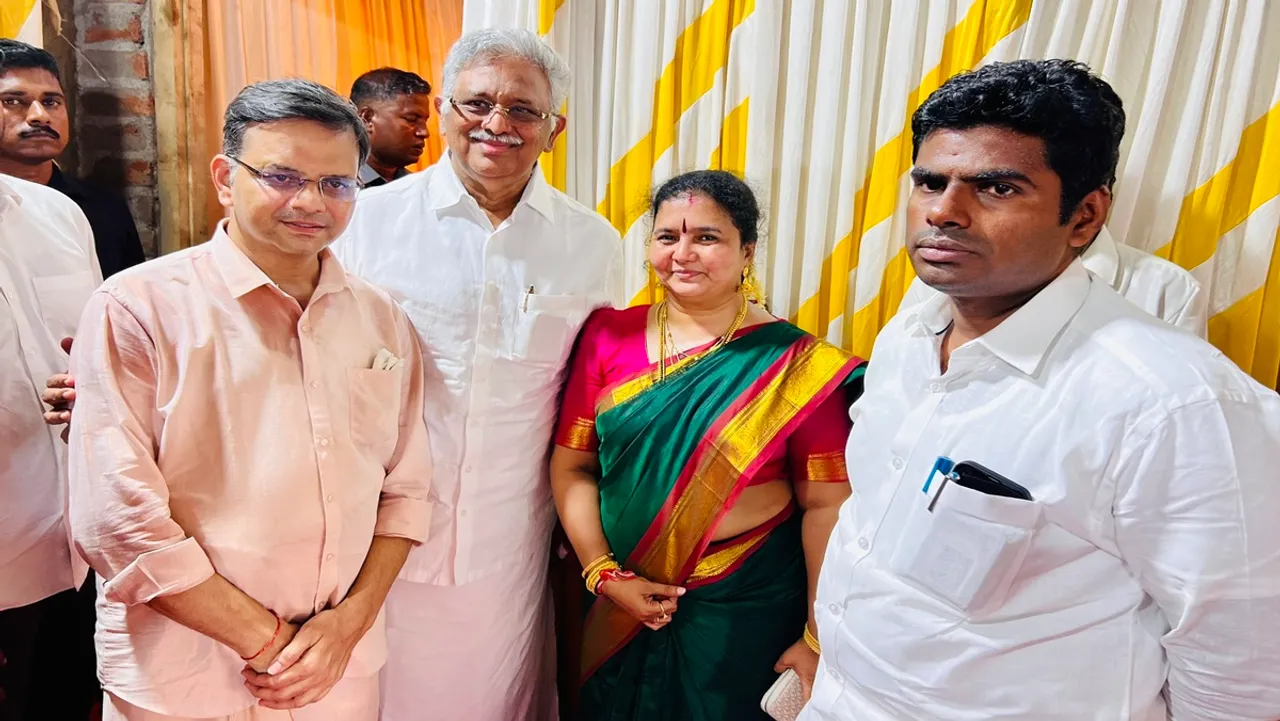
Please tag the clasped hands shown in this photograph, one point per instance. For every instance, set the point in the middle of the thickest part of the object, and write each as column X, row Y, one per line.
column 304, row 662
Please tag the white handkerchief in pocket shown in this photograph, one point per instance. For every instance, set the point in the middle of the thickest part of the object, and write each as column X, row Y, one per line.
column 385, row 360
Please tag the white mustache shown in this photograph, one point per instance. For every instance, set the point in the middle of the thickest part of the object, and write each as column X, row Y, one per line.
column 484, row 136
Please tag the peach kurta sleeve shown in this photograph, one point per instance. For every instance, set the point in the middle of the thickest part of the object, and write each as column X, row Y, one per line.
column 118, row 499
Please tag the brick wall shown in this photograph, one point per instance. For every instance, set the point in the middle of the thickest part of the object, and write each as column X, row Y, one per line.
column 114, row 119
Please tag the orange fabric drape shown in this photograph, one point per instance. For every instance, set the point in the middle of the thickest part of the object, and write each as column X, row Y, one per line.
column 328, row 41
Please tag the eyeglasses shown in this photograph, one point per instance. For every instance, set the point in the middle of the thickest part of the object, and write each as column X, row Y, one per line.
column 479, row 109
column 339, row 188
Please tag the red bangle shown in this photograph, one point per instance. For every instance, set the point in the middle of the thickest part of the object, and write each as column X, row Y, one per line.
column 268, row 644
column 613, row 574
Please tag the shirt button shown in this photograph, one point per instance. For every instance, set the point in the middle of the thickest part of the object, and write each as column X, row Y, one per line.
column 315, row 384
column 466, row 469
column 329, row 498
column 462, row 513
column 329, row 557
column 834, row 608
column 324, row 441
column 863, row 544
column 306, row 327
column 834, row 674
column 897, row 464
column 937, row 387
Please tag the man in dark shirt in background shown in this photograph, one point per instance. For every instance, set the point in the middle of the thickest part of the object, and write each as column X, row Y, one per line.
column 395, row 106
column 35, row 129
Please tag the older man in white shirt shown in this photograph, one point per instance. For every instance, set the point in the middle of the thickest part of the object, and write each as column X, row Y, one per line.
column 497, row 270
column 1065, row 509
column 48, row 269
column 1159, row 287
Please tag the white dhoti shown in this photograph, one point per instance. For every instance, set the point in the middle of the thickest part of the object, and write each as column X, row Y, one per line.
column 351, row 699
column 483, row 651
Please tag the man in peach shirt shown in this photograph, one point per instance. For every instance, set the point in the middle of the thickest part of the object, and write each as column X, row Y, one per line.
column 249, row 462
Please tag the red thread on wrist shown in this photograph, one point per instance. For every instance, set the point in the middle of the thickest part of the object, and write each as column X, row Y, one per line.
column 274, row 636
column 613, row 574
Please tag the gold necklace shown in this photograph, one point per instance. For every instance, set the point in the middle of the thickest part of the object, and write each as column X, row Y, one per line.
column 665, row 336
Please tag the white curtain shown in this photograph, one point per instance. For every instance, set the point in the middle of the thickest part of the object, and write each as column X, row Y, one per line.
column 811, row 100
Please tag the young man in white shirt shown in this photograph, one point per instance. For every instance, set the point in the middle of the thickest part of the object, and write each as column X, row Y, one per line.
column 498, row 271
column 1154, row 284
column 1120, row 559
column 48, row 269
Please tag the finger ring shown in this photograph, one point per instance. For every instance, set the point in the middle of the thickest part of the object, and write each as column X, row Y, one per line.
column 664, row 616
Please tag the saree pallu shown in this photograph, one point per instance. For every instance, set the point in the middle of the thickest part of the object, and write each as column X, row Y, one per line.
column 675, row 455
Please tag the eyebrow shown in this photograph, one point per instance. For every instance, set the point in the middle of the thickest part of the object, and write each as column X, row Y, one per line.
column 518, row 100
column 699, row 229
column 995, row 175
column 23, row 94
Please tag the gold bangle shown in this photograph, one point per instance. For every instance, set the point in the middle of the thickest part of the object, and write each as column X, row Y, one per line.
column 593, row 578
column 812, row 641
column 597, row 564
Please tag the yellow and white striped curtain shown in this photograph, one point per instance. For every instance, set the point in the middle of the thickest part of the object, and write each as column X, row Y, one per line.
column 22, row 20
column 811, row 101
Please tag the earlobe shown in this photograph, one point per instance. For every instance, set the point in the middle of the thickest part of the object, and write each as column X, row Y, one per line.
column 220, row 168
column 1092, row 215
column 561, row 123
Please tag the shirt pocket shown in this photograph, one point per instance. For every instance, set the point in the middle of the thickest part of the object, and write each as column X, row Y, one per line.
column 968, row 550
column 547, row 327
column 62, row 299
column 375, row 410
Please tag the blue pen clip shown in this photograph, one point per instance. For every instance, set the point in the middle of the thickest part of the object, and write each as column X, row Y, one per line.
column 941, row 469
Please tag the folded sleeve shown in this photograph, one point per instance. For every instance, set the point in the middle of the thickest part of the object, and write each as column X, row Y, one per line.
column 118, row 500
column 403, row 508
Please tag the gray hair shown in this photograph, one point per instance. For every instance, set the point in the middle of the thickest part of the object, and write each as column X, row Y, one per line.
column 516, row 43
column 275, row 100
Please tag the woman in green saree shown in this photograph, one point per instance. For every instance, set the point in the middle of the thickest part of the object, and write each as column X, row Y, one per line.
column 698, row 472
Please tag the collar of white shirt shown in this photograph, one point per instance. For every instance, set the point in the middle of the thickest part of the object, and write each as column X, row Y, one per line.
column 445, row 190
column 1024, row 338
column 242, row 275
column 1103, row 258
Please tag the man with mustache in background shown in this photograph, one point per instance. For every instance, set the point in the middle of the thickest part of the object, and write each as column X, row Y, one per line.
column 497, row 270
column 35, row 129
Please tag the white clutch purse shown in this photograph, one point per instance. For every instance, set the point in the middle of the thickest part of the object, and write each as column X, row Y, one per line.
column 785, row 698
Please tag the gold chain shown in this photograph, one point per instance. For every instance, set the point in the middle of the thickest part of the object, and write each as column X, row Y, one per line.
column 665, row 336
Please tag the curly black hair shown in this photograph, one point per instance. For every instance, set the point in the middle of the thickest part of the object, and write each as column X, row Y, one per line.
column 728, row 191
column 17, row 55
column 1077, row 115
column 387, row 84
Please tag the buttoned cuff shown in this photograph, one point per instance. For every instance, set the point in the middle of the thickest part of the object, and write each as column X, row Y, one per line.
column 163, row 572
column 403, row 518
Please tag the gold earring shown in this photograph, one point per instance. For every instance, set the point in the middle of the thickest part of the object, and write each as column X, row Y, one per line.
column 749, row 287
